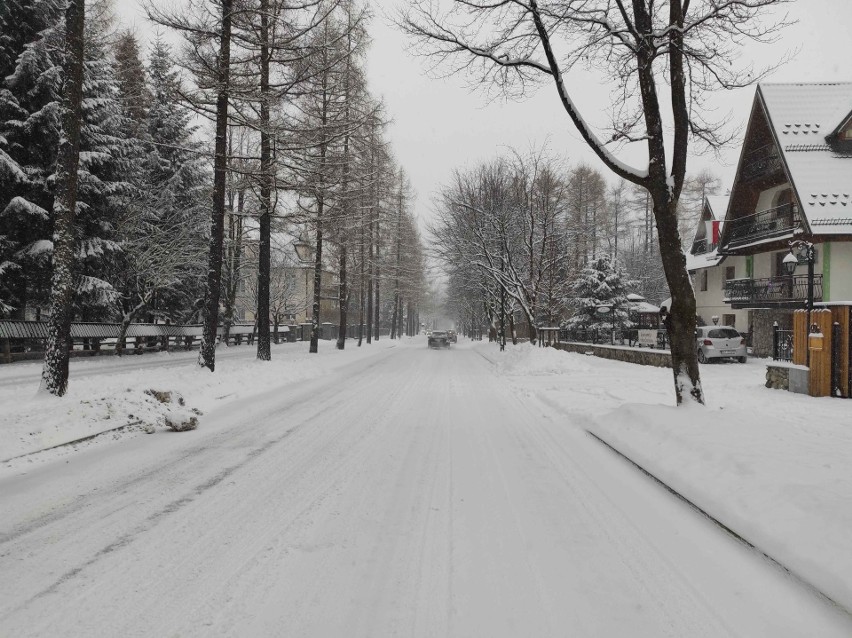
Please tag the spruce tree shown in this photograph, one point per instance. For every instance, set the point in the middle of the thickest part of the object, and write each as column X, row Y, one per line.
column 600, row 285
column 30, row 134
column 161, row 227
column 31, row 42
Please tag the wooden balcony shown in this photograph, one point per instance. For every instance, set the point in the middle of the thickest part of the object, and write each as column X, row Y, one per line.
column 774, row 292
column 767, row 224
column 761, row 163
column 701, row 247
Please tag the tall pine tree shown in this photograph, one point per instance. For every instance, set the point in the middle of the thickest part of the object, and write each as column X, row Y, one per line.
column 600, row 285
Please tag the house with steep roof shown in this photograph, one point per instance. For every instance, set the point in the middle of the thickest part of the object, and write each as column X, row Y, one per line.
column 793, row 181
column 711, row 270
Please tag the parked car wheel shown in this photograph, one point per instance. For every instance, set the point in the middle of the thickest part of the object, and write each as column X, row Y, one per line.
column 702, row 358
column 742, row 359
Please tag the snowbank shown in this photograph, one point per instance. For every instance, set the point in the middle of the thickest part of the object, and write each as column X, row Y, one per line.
column 110, row 392
column 771, row 465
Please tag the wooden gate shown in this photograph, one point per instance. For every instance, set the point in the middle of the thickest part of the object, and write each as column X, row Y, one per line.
column 829, row 361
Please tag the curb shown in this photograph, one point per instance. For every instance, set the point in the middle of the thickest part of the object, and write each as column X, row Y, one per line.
column 74, row 442
column 804, row 582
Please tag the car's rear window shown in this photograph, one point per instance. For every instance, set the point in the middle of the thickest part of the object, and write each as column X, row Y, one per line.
column 439, row 334
column 723, row 333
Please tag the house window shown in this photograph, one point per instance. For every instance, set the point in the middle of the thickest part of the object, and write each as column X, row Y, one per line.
column 778, row 264
column 730, row 273
column 702, row 278
column 729, row 320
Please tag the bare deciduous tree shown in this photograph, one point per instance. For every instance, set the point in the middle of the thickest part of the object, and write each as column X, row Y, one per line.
column 650, row 51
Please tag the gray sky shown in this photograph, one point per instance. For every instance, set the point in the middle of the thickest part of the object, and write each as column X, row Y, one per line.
column 439, row 124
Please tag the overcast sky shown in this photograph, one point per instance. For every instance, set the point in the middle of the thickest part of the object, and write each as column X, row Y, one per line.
column 440, row 124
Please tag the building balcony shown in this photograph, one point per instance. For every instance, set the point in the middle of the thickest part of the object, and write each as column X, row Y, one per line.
column 760, row 163
column 701, row 247
column 775, row 292
column 767, row 224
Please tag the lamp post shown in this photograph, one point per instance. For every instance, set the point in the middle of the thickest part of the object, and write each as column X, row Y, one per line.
column 801, row 248
column 602, row 311
column 303, row 254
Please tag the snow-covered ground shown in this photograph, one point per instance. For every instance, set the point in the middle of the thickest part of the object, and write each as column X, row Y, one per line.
column 107, row 392
column 772, row 465
column 394, row 490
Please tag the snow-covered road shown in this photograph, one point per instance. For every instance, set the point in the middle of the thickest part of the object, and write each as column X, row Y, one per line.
column 409, row 493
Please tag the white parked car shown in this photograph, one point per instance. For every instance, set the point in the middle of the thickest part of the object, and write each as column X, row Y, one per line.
column 715, row 342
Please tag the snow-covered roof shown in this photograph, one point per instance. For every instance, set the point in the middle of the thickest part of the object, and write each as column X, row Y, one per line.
column 703, row 260
column 718, row 206
column 715, row 209
column 644, row 307
column 802, row 116
column 641, row 305
column 637, row 303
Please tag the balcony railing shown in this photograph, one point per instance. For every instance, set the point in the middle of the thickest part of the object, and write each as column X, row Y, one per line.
column 700, row 247
column 761, row 162
column 773, row 291
column 764, row 225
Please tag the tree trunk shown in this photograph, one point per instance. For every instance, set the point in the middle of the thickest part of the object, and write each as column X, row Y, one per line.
column 344, row 299
column 377, row 307
column 235, row 230
column 54, row 376
column 378, row 304
column 681, row 321
column 344, row 216
column 394, row 315
column 370, row 303
column 361, row 289
column 264, row 350
column 315, row 315
column 207, row 354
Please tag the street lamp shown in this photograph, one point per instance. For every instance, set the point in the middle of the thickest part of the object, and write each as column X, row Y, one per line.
column 806, row 250
column 303, row 250
column 602, row 311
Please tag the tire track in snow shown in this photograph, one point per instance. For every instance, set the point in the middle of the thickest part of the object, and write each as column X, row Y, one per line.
column 173, row 470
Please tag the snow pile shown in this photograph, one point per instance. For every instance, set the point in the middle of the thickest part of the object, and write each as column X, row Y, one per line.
column 526, row 360
column 771, row 465
column 105, row 393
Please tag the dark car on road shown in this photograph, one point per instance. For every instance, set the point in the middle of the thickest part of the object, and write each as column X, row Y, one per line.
column 439, row 339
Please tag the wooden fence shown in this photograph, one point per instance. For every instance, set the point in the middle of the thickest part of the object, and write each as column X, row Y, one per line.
column 23, row 340
column 828, row 345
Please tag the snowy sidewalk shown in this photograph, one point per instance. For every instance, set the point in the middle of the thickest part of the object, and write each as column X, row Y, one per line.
column 108, row 392
column 771, row 465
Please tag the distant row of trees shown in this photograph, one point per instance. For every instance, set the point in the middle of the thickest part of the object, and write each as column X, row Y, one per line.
column 516, row 234
column 661, row 60
column 106, row 180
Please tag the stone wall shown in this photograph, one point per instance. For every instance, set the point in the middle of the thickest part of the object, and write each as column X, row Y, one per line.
column 777, row 378
column 762, row 322
column 642, row 356
column 785, row 376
